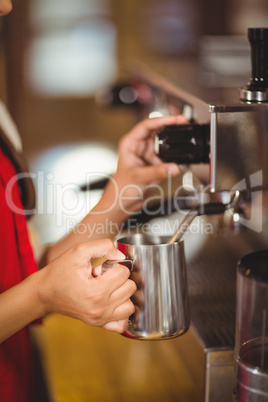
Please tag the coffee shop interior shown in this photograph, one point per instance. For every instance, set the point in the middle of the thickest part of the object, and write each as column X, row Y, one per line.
column 64, row 64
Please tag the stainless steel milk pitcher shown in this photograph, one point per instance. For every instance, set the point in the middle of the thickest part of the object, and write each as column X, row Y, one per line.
column 161, row 300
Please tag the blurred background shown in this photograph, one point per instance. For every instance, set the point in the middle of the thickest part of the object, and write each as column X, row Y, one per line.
column 58, row 59
column 59, row 53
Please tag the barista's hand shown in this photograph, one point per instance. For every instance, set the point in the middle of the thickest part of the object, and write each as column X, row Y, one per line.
column 138, row 165
column 138, row 169
column 68, row 287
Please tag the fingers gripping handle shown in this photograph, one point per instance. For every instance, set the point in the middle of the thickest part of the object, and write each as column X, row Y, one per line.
column 111, row 263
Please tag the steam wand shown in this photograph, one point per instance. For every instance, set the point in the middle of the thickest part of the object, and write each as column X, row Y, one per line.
column 192, row 213
column 202, row 209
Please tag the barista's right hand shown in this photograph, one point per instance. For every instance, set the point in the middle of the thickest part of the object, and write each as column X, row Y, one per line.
column 68, row 287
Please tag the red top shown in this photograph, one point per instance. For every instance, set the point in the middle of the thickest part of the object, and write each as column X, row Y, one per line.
column 16, row 263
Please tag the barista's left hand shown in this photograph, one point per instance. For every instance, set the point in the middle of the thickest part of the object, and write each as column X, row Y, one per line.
column 138, row 165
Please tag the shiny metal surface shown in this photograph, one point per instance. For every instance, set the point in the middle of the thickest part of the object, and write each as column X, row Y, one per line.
column 239, row 142
column 191, row 215
column 161, row 299
column 253, row 96
column 252, row 381
column 251, row 335
column 208, row 346
column 111, row 263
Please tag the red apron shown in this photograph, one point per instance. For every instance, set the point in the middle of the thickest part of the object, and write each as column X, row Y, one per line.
column 16, row 263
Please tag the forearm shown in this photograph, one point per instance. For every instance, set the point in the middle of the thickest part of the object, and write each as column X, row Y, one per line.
column 19, row 306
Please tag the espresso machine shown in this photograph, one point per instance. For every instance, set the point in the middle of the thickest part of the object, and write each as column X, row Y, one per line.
column 225, row 146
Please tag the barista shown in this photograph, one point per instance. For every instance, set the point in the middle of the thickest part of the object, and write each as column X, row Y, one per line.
column 67, row 284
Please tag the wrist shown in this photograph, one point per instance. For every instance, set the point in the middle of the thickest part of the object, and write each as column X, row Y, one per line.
column 42, row 295
column 35, row 284
column 20, row 305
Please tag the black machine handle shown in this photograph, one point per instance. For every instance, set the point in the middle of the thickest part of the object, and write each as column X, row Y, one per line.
column 184, row 144
column 257, row 88
column 258, row 38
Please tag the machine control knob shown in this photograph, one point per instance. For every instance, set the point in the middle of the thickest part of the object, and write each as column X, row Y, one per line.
column 183, row 144
column 257, row 88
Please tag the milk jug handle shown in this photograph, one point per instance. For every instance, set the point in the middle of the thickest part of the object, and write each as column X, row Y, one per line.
column 111, row 263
